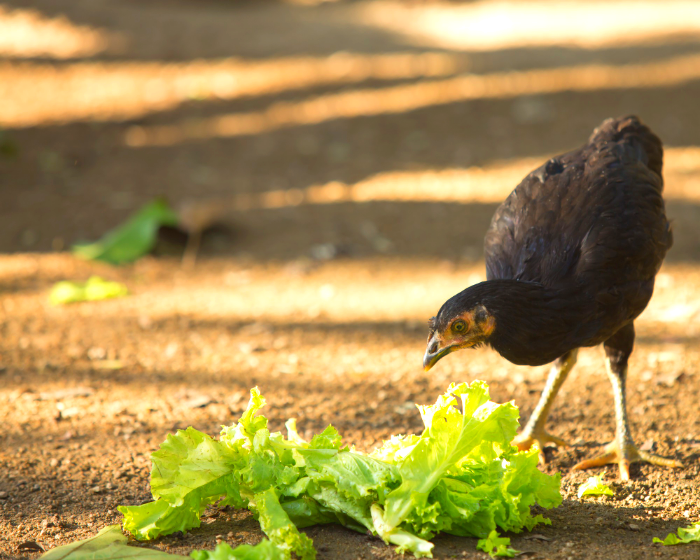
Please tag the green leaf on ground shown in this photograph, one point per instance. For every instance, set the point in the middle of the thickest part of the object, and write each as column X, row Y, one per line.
column 685, row 535
column 264, row 550
column 133, row 239
column 94, row 289
column 108, row 544
column 594, row 486
column 497, row 546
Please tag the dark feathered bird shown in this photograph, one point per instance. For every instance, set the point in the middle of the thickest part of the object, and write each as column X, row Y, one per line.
column 571, row 257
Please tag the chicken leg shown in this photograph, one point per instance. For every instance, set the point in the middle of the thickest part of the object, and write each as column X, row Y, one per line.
column 622, row 450
column 534, row 429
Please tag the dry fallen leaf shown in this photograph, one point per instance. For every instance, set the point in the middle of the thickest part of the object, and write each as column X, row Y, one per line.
column 32, row 546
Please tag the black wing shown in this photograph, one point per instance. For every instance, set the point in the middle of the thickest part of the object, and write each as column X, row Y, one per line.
column 592, row 218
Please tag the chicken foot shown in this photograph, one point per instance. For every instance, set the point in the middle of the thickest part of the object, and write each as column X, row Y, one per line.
column 622, row 450
column 534, row 431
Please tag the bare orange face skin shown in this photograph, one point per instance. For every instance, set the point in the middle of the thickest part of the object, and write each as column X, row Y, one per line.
column 463, row 331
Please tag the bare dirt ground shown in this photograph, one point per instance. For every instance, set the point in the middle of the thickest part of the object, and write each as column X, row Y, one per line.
column 371, row 151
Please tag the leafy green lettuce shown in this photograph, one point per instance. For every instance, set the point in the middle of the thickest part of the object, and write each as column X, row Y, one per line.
column 496, row 546
column 594, row 486
column 685, row 535
column 460, row 476
column 482, row 433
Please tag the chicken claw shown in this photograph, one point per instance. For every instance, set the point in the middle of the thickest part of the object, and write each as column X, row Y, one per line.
column 525, row 441
column 631, row 454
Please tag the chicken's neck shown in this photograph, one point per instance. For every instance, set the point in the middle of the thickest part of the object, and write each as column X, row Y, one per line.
column 536, row 325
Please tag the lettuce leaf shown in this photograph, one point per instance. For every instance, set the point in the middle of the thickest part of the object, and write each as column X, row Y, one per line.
column 94, row 289
column 189, row 472
column 594, row 486
column 406, row 541
column 264, row 550
column 276, row 524
column 356, row 475
column 244, row 431
column 395, row 449
column 305, row 512
column 685, row 535
column 496, row 546
column 108, row 544
column 131, row 240
column 481, row 432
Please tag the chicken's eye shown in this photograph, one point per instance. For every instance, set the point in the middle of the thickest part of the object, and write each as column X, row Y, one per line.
column 459, row 326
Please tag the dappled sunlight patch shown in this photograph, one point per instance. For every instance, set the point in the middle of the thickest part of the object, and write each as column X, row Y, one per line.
column 26, row 33
column 487, row 184
column 675, row 302
column 489, row 25
column 490, row 183
column 410, row 97
column 118, row 90
column 682, row 173
column 373, row 289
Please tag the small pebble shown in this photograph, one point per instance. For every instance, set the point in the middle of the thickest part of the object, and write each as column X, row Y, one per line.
column 96, row 489
column 634, row 526
column 4, row 495
column 35, row 488
column 96, row 353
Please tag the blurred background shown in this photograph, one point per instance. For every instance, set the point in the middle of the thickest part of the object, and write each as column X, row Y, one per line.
column 351, row 155
column 373, row 126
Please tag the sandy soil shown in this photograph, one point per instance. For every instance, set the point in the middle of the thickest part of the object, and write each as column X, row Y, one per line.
column 319, row 298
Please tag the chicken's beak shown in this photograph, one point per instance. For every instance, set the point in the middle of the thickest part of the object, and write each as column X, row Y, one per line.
column 433, row 352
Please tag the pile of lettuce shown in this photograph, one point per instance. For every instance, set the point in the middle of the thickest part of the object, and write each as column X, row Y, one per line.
column 460, row 476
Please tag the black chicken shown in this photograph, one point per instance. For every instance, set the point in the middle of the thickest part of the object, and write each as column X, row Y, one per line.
column 571, row 257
